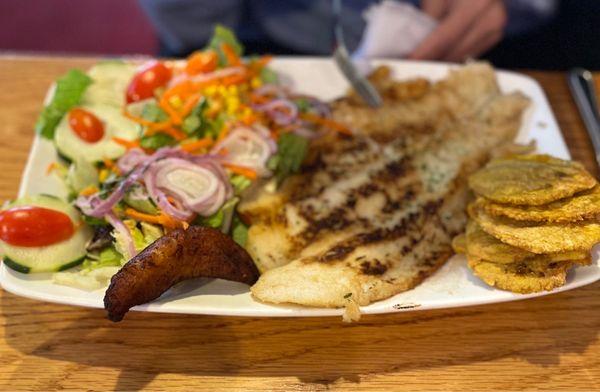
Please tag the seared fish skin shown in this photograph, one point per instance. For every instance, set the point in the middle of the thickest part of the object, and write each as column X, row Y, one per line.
column 179, row 255
column 374, row 215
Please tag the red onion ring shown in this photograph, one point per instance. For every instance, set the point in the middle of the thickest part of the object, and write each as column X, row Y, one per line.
column 273, row 110
column 131, row 159
column 124, row 230
column 246, row 148
column 160, row 198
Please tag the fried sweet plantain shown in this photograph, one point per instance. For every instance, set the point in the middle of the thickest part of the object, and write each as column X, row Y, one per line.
column 579, row 207
column 519, row 278
column 481, row 245
column 530, row 180
column 540, row 239
column 177, row 256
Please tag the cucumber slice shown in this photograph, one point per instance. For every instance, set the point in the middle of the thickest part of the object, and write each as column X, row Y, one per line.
column 111, row 79
column 73, row 147
column 50, row 258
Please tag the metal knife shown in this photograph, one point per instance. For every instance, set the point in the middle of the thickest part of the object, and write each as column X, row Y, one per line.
column 582, row 87
column 363, row 87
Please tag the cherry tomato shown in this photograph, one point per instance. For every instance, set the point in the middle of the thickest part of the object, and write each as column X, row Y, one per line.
column 152, row 75
column 86, row 125
column 34, row 226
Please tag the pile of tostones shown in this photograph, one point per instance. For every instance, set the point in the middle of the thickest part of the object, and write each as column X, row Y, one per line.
column 534, row 217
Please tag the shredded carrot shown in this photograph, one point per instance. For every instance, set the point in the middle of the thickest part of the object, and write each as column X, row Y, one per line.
column 89, row 190
column 256, row 65
column 111, row 166
column 159, row 126
column 241, row 170
column 170, row 222
column 182, row 89
column 234, row 79
column 171, row 131
column 175, row 133
column 232, row 58
column 166, row 106
column 224, row 132
column 143, row 122
column 258, row 99
column 327, row 123
column 128, row 144
column 161, row 219
column 196, row 145
column 189, row 105
column 250, row 119
column 51, row 167
column 264, row 60
column 199, row 62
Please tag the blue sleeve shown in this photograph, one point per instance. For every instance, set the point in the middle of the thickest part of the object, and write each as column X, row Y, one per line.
column 185, row 25
column 526, row 15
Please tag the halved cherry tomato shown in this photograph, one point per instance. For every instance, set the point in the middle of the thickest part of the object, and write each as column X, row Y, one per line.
column 152, row 75
column 200, row 62
column 34, row 226
column 86, row 125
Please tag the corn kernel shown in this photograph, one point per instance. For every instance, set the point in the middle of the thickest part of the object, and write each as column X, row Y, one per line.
column 255, row 82
column 233, row 89
column 233, row 104
column 103, row 175
column 211, row 90
column 175, row 101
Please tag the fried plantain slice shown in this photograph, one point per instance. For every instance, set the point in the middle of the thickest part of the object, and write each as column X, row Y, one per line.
column 459, row 243
column 539, row 239
column 582, row 206
column 520, row 279
column 511, row 148
column 177, row 256
column 481, row 245
column 530, row 180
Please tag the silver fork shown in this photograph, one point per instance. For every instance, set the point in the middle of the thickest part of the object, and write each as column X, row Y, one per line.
column 363, row 87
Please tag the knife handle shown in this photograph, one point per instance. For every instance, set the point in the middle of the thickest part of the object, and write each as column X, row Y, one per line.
column 582, row 87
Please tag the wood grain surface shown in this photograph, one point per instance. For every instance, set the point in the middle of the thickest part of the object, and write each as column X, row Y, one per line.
column 548, row 344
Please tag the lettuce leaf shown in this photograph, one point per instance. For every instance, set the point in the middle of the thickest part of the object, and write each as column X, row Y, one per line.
column 239, row 231
column 291, row 152
column 240, row 183
column 224, row 35
column 152, row 112
column 195, row 121
column 156, row 141
column 69, row 90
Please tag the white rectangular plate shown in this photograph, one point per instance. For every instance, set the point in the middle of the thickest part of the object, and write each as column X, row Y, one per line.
column 452, row 286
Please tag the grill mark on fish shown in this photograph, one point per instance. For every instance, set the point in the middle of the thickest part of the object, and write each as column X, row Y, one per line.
column 338, row 252
column 393, row 170
column 411, row 222
column 374, row 267
column 337, row 220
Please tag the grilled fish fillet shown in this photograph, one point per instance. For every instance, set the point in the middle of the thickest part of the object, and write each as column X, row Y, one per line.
column 374, row 214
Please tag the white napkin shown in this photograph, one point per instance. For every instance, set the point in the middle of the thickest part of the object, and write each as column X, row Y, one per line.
column 393, row 30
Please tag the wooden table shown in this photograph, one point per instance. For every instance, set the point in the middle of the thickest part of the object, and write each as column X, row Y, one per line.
column 549, row 343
